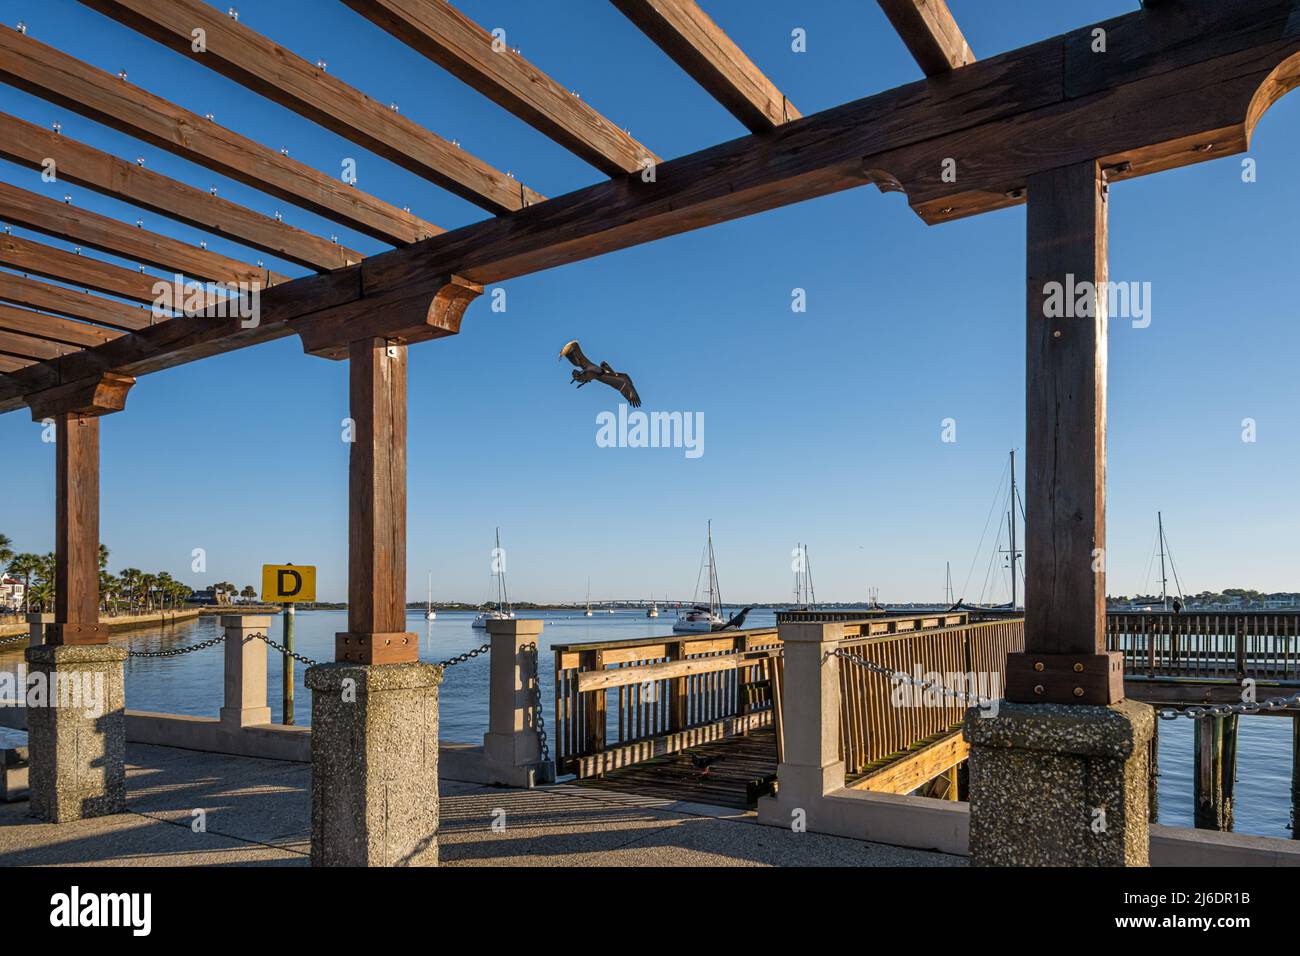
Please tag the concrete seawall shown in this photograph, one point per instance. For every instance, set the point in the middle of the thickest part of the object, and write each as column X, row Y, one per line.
column 121, row 623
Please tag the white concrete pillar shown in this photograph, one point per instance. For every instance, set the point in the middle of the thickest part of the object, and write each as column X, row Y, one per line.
column 245, row 677
column 37, row 623
column 512, row 747
column 810, row 722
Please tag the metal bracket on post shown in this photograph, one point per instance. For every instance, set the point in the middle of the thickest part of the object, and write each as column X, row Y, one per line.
column 1065, row 678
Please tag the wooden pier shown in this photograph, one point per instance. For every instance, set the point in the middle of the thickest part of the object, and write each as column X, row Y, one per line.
column 649, row 715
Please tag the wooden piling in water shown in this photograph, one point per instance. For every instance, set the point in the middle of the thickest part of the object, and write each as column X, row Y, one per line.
column 1215, row 772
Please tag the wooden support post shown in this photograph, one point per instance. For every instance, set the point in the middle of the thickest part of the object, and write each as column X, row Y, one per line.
column 677, row 692
column 1065, row 659
column 1215, row 772
column 594, row 718
column 75, row 412
column 377, row 517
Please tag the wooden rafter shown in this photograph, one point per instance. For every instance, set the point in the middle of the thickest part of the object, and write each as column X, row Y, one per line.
column 446, row 36
column 65, row 221
column 61, row 266
column 43, row 71
column 687, row 34
column 34, row 294
column 26, row 346
column 74, row 162
column 931, row 34
column 54, row 328
column 262, row 65
column 1180, row 95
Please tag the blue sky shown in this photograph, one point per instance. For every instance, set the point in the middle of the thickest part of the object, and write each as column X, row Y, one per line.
column 821, row 427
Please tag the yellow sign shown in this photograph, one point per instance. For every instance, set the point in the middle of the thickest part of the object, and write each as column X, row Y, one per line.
column 286, row 583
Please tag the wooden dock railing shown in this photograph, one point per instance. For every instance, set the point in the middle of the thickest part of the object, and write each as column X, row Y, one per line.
column 671, row 693
column 880, row 718
column 1209, row 645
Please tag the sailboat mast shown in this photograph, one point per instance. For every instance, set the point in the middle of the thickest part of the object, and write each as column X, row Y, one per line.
column 1011, row 524
column 503, row 596
column 1164, row 582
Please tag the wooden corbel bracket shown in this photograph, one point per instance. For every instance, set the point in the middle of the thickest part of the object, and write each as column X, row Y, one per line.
column 406, row 317
column 87, row 397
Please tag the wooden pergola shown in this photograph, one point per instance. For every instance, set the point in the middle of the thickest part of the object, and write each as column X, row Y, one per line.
column 1051, row 125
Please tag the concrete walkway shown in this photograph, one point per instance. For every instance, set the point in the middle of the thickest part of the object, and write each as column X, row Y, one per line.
column 258, row 814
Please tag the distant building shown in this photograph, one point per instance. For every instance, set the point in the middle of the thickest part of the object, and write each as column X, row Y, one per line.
column 207, row 596
column 11, row 594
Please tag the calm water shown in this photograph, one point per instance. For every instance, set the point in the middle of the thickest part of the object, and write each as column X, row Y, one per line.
column 191, row 684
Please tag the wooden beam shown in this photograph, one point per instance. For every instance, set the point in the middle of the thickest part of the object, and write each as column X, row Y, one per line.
column 42, row 260
column 245, row 56
column 459, row 45
column 74, row 162
column 33, row 294
column 687, row 34
column 912, row 770
column 53, row 328
column 1206, row 77
column 26, row 346
column 1065, row 424
column 931, row 33
column 43, row 71
column 1065, row 659
column 10, row 364
column 76, row 534
column 376, row 631
column 65, row 221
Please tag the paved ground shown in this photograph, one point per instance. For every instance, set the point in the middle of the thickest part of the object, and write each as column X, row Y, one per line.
column 257, row 814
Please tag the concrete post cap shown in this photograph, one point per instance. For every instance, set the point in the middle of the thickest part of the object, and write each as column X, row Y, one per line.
column 252, row 622
column 517, row 628
column 812, row 632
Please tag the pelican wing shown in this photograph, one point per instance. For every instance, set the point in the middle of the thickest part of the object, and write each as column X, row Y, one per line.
column 623, row 385
column 573, row 352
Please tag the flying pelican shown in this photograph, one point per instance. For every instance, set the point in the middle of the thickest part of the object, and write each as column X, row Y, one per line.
column 585, row 370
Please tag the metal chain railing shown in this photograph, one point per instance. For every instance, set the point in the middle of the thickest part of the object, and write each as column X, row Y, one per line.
column 539, row 720
column 1198, row 711
column 178, row 651
column 13, row 640
column 284, row 650
column 468, row 655
column 898, row 677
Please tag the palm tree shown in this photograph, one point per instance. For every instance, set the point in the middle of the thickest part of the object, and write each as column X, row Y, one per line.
column 6, row 549
column 131, row 585
column 24, row 566
column 163, row 582
column 249, row 593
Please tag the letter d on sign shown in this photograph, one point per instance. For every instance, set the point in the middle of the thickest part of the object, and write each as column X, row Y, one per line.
column 288, row 583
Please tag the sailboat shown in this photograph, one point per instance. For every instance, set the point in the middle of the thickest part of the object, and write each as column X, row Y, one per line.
column 502, row 610
column 587, row 613
column 429, row 613
column 805, row 595
column 1014, row 554
column 701, row 619
column 1167, row 602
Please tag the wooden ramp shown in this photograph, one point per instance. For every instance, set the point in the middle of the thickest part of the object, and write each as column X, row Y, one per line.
column 734, row 780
